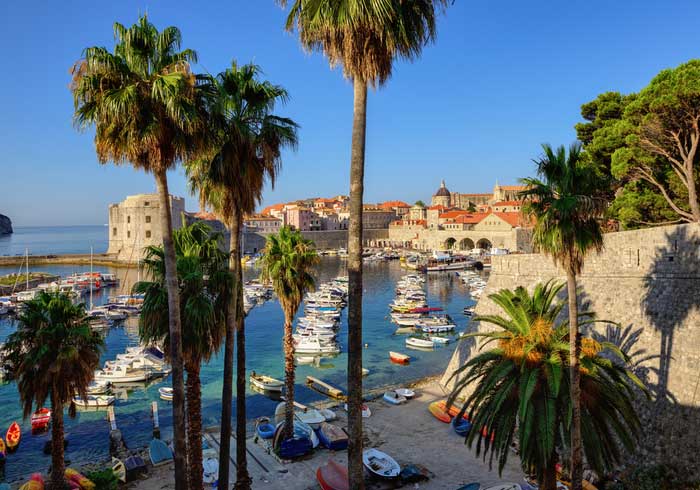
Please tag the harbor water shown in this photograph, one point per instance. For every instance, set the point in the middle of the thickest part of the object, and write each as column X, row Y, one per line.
column 88, row 432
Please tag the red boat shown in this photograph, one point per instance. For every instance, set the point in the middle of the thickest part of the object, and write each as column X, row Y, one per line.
column 399, row 358
column 41, row 419
column 14, row 434
column 333, row 476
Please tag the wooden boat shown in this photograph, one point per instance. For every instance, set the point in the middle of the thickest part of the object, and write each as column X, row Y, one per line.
column 461, row 426
column 159, row 452
column 166, row 393
column 211, row 470
column 366, row 412
column 439, row 412
column 13, row 436
column 405, row 392
column 398, row 357
column 393, row 398
column 36, row 482
column 415, row 342
column 332, row 437
column 333, row 476
column 325, row 388
column 380, row 464
column 76, row 479
column 41, row 419
column 119, row 469
column 266, row 383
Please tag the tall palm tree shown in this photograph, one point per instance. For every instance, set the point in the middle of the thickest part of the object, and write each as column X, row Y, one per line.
column 244, row 143
column 205, row 287
column 567, row 213
column 286, row 262
column 365, row 37
column 54, row 353
column 521, row 388
column 140, row 98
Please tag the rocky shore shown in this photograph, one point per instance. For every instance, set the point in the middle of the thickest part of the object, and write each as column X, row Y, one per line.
column 5, row 225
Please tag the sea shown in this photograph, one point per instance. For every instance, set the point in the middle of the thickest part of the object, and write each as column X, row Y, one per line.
column 88, row 433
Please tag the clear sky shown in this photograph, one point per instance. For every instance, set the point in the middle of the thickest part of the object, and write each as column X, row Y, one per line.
column 502, row 78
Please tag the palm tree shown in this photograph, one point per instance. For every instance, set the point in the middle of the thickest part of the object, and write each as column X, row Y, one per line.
column 140, row 98
column 244, row 143
column 286, row 262
column 54, row 353
column 567, row 211
column 365, row 38
column 521, row 390
column 205, row 287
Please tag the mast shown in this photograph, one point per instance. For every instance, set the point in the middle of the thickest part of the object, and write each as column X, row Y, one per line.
column 26, row 256
column 91, row 277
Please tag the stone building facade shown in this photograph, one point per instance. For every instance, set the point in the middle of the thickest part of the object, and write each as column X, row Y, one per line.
column 134, row 224
column 648, row 282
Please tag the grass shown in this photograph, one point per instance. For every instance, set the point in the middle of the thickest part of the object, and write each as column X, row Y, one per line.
column 11, row 279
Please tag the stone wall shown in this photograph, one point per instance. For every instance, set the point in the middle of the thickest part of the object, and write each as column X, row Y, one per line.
column 324, row 240
column 648, row 281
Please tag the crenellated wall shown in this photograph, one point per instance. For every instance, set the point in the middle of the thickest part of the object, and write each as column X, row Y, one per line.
column 648, row 281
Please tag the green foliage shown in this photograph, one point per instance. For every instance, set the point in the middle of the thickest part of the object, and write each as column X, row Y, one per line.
column 521, row 386
column 655, row 477
column 54, row 351
column 420, row 203
column 103, row 479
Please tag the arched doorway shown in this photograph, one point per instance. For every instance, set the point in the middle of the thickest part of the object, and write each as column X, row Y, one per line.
column 483, row 243
column 466, row 244
column 450, row 243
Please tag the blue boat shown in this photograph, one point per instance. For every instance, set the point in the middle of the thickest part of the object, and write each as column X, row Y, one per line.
column 470, row 486
column 332, row 437
column 461, row 426
column 298, row 445
column 159, row 452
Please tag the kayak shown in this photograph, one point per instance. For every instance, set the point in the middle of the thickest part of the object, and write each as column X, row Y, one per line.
column 72, row 476
column 13, row 436
column 438, row 411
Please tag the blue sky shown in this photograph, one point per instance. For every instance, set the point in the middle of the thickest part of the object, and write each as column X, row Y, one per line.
column 502, row 78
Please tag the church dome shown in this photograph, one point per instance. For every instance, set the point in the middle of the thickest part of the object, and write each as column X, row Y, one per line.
column 442, row 191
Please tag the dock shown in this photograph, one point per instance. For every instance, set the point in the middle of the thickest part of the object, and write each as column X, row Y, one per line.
column 325, row 388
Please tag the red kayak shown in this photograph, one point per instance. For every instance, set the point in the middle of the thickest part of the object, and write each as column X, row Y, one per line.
column 41, row 419
column 14, row 434
column 333, row 476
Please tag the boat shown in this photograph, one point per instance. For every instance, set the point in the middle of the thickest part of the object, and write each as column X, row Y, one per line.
column 393, row 398
column 315, row 346
column 419, row 343
column 119, row 469
column 76, row 479
column 304, row 414
column 13, row 436
column 211, row 470
column 333, row 476
column 366, row 412
column 36, row 482
column 440, row 340
column 121, row 373
column 305, row 359
column 298, row 445
column 266, row 383
column 461, row 426
column 328, row 414
column 166, row 393
column 380, row 464
column 98, row 387
column 398, row 357
column 41, row 419
column 470, row 486
column 159, row 452
column 93, row 401
column 439, row 412
column 405, row 392
column 506, row 486
column 332, row 437
column 323, row 387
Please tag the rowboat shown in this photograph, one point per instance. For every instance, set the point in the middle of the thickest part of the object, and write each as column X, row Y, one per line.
column 398, row 357
column 13, row 436
column 332, row 437
column 380, row 463
column 419, row 343
column 41, row 419
column 325, row 388
column 166, row 393
column 333, row 476
column 393, row 398
column 159, row 452
column 93, row 401
column 405, row 392
column 266, row 383
column 119, row 469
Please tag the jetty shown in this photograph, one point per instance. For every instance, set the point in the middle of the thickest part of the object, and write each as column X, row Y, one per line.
column 325, row 388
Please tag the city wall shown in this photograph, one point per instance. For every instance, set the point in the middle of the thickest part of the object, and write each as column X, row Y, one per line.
column 648, row 281
column 324, row 240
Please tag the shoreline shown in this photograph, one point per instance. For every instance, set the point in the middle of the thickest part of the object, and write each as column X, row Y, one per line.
column 103, row 259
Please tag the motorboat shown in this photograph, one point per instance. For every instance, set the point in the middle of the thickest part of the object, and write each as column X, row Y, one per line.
column 41, row 419
column 266, row 383
column 405, row 392
column 419, row 343
column 436, row 324
column 314, row 345
column 93, row 401
column 121, row 373
column 393, row 398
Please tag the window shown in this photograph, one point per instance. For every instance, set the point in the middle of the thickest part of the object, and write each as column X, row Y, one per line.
column 128, row 219
column 114, row 231
column 128, row 234
column 148, row 219
column 146, row 203
column 148, row 233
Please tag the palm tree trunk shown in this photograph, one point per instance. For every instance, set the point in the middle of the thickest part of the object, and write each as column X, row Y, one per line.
column 575, row 380
column 194, row 425
column 242, row 476
column 166, row 226
column 357, row 171
column 58, row 481
column 289, row 376
column 234, row 264
column 550, row 476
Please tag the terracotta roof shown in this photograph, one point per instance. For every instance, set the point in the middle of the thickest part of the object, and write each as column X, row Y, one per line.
column 274, row 207
column 205, row 216
column 513, row 187
column 393, row 204
column 453, row 214
column 439, row 207
column 487, row 194
column 512, row 218
column 471, row 219
column 508, row 203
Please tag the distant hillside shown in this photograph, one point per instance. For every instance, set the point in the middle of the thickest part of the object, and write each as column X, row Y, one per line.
column 5, row 225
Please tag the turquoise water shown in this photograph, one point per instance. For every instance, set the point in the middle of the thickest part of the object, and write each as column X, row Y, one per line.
column 43, row 240
column 88, row 433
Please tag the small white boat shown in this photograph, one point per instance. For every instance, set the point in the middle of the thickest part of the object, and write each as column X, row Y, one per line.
column 380, row 463
column 329, row 415
column 307, row 415
column 365, row 371
column 166, row 393
column 98, row 387
column 266, row 383
column 440, row 340
column 405, row 392
column 394, row 398
column 93, row 401
column 121, row 373
column 419, row 343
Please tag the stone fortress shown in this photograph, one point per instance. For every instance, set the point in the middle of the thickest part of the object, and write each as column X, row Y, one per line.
column 647, row 281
